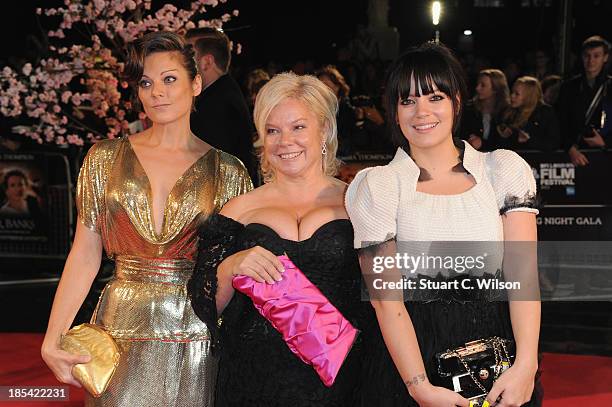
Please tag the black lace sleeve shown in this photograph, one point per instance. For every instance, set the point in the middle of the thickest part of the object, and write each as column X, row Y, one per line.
column 512, row 202
column 217, row 237
column 513, row 182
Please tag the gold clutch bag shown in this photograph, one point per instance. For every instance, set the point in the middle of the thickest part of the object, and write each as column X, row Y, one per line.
column 92, row 340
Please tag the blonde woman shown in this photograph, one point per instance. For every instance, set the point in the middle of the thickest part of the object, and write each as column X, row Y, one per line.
column 530, row 124
column 299, row 211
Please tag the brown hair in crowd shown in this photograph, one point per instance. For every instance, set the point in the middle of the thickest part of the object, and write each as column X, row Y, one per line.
column 499, row 83
column 212, row 41
column 336, row 77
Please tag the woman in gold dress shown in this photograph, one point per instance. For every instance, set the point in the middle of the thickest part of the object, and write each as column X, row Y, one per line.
column 141, row 199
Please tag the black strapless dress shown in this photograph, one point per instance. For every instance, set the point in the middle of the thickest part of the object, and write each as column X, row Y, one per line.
column 256, row 367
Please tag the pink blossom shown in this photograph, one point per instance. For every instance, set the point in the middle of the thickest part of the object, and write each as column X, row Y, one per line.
column 74, row 139
column 40, row 90
column 76, row 99
column 100, row 25
column 99, row 5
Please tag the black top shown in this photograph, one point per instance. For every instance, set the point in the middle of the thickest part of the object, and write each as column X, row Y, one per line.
column 351, row 138
column 222, row 119
column 575, row 97
column 256, row 367
column 471, row 123
column 542, row 128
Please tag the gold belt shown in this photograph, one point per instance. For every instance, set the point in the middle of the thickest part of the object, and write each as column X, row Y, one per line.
column 147, row 300
column 168, row 271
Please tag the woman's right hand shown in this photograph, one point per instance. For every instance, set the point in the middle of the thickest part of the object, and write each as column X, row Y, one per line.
column 577, row 158
column 504, row 131
column 61, row 363
column 258, row 263
column 428, row 395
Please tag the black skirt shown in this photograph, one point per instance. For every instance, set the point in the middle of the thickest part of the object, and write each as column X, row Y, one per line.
column 439, row 325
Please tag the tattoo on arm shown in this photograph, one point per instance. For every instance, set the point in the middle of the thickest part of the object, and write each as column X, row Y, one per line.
column 415, row 380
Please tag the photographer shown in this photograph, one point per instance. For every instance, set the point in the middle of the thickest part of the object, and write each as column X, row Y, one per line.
column 585, row 102
column 354, row 120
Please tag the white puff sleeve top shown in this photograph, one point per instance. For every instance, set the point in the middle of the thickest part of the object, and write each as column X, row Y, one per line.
column 383, row 203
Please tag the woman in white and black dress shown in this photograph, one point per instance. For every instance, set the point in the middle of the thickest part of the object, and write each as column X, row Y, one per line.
column 439, row 190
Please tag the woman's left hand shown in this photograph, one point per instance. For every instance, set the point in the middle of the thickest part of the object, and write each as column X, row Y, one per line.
column 522, row 137
column 515, row 386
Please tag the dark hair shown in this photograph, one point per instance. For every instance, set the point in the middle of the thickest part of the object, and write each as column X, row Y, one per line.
column 594, row 42
column 12, row 173
column 160, row 41
column 550, row 81
column 258, row 85
column 336, row 77
column 255, row 77
column 429, row 64
column 213, row 42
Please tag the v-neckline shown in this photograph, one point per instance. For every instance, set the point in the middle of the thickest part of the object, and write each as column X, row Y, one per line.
column 150, row 188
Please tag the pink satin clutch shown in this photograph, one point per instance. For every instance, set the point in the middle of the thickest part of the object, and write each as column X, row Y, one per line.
column 310, row 325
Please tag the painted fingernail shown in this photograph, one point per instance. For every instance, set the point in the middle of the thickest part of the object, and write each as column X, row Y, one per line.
column 486, row 403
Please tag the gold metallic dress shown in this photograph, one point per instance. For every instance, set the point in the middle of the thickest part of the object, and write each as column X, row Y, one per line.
column 165, row 348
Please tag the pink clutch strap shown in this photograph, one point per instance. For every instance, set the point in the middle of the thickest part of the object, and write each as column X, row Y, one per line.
column 310, row 325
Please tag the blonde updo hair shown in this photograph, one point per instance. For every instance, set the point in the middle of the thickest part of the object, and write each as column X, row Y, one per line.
column 316, row 96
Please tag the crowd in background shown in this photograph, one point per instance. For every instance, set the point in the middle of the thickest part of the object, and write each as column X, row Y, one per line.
column 523, row 104
column 518, row 103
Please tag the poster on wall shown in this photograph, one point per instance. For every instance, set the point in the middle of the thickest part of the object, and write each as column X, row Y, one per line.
column 23, row 198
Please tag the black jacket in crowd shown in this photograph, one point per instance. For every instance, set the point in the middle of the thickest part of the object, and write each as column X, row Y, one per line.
column 222, row 119
column 575, row 97
column 542, row 128
column 471, row 123
column 351, row 138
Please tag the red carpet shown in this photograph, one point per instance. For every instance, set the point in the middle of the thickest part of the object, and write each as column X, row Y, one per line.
column 22, row 365
column 569, row 380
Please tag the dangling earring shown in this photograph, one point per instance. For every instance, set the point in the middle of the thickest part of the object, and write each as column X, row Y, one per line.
column 324, row 149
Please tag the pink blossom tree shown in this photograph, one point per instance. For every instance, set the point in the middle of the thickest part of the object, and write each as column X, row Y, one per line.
column 76, row 94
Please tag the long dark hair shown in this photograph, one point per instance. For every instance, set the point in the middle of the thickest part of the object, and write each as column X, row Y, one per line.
column 429, row 64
